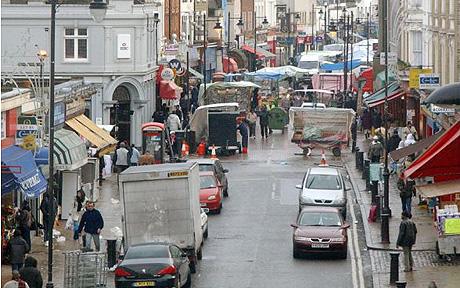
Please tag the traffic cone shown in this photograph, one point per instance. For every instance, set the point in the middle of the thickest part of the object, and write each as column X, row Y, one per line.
column 323, row 159
column 184, row 150
column 201, row 150
column 213, row 152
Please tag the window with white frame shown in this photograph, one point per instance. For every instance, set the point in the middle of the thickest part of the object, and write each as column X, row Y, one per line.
column 3, row 125
column 76, row 44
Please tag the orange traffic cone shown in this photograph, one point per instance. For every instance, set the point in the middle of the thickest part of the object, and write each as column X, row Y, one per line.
column 323, row 159
column 213, row 152
column 201, row 150
column 184, row 150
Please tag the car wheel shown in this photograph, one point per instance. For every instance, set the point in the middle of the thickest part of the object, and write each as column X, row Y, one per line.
column 192, row 267
column 205, row 234
column 199, row 255
column 188, row 284
column 344, row 254
column 336, row 151
column 218, row 210
column 295, row 253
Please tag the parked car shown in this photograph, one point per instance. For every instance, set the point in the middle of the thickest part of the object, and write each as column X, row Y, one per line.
column 204, row 222
column 210, row 192
column 206, row 164
column 323, row 186
column 320, row 230
column 156, row 264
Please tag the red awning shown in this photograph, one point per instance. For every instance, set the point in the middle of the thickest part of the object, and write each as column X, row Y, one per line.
column 169, row 90
column 230, row 65
column 441, row 160
column 398, row 94
column 251, row 50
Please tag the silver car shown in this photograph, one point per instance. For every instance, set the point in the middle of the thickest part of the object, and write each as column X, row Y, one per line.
column 323, row 186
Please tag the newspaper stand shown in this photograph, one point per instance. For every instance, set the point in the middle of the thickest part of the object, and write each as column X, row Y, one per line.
column 85, row 269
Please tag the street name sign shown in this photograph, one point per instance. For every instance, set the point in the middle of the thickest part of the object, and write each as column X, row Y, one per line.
column 429, row 81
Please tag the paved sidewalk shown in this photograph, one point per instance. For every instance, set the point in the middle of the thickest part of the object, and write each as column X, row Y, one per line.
column 427, row 265
column 111, row 212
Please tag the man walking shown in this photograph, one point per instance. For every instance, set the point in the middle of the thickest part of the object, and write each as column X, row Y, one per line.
column 406, row 239
column 407, row 190
column 31, row 274
column 91, row 223
column 135, row 154
column 49, row 211
column 121, row 158
column 375, row 150
column 17, row 248
column 263, row 115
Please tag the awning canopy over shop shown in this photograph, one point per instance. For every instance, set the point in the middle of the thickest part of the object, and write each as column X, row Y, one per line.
column 69, row 150
column 261, row 53
column 395, row 95
column 441, row 160
column 230, row 65
column 95, row 135
column 19, row 172
column 414, row 148
column 380, row 94
column 169, row 90
column 439, row 189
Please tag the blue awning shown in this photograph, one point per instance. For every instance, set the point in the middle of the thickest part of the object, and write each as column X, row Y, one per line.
column 19, row 172
column 340, row 65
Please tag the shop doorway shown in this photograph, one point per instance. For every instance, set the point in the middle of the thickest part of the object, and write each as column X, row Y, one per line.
column 120, row 113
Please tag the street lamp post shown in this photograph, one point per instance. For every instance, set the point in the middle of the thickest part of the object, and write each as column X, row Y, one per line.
column 98, row 10
column 239, row 24
column 264, row 23
column 156, row 20
column 385, row 228
column 217, row 27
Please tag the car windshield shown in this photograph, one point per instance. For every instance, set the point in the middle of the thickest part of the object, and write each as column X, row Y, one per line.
column 147, row 251
column 206, row 167
column 320, row 219
column 326, row 182
column 207, row 181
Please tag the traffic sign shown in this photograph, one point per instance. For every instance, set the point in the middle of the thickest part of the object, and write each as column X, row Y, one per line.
column 167, row 74
column 429, row 81
column 392, row 58
column 414, row 74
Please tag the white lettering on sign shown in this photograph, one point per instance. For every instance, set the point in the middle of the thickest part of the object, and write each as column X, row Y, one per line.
column 444, row 110
column 26, row 127
column 123, row 46
column 30, row 182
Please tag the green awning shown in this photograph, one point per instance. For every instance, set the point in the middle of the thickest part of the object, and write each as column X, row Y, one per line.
column 69, row 150
column 380, row 94
column 380, row 79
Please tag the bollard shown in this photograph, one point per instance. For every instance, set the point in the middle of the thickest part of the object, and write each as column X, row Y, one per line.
column 385, row 228
column 368, row 175
column 401, row 284
column 357, row 158
column 360, row 160
column 374, row 191
column 378, row 203
column 111, row 252
column 394, row 267
column 366, row 165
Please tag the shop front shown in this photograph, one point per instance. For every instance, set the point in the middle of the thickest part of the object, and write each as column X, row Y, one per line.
column 396, row 103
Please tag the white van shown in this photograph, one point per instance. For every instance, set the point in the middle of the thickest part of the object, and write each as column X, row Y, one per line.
column 310, row 62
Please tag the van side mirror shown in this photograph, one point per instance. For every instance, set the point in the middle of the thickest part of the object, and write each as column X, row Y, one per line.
column 299, row 186
column 225, row 170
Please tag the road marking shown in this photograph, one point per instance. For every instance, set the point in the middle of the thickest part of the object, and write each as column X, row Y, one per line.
column 356, row 260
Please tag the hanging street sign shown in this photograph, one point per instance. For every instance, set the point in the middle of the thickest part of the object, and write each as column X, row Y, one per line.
column 414, row 74
column 429, row 81
column 27, row 132
column 392, row 58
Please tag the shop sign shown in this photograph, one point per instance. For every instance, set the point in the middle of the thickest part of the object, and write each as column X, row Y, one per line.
column 167, row 74
column 441, row 110
column 176, row 66
column 414, row 74
column 27, row 132
column 74, row 108
column 392, row 58
column 123, row 46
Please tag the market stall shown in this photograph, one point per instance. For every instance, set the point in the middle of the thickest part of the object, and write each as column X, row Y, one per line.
column 227, row 92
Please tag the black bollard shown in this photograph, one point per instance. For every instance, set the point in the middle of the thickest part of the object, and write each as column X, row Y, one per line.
column 366, row 165
column 111, row 252
column 384, row 228
column 374, row 191
column 378, row 202
column 360, row 160
column 357, row 158
column 401, row 284
column 394, row 267
column 368, row 175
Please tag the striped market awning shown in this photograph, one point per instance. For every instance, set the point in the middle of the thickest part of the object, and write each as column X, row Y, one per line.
column 69, row 150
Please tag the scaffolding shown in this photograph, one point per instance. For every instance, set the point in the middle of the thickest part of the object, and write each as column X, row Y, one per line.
column 85, row 269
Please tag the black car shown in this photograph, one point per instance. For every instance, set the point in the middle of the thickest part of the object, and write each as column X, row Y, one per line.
column 153, row 265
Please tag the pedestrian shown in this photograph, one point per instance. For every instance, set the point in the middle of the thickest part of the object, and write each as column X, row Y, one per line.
column 194, row 98
column 406, row 192
column 367, row 123
column 179, row 113
column 174, row 122
column 146, row 159
column 17, row 249
column 393, row 142
column 16, row 281
column 254, row 98
column 410, row 129
column 30, row 274
column 376, row 119
column 406, row 239
column 263, row 115
column 375, row 150
column 135, row 154
column 80, row 199
column 48, row 207
column 91, row 223
column 23, row 219
column 158, row 116
column 121, row 158
column 252, row 120
column 243, row 129
column 174, row 143
column 409, row 140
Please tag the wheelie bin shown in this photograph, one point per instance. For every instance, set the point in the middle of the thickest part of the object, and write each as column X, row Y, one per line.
column 278, row 119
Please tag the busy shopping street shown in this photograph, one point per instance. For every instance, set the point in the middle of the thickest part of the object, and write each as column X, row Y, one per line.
column 214, row 144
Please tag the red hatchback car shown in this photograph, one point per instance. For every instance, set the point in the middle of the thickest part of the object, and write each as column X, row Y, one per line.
column 210, row 192
column 320, row 230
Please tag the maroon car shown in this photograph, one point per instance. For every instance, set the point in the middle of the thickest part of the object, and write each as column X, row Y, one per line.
column 320, row 230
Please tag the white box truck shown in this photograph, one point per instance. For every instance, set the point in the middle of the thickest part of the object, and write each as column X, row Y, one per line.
column 162, row 203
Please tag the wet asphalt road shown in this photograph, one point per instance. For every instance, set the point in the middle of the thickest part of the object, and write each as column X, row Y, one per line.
column 250, row 242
